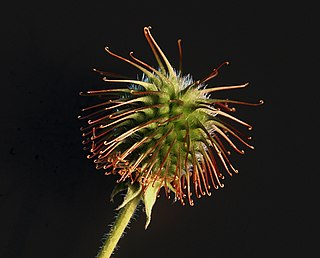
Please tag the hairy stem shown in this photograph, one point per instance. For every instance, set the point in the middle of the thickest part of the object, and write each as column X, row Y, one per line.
column 118, row 227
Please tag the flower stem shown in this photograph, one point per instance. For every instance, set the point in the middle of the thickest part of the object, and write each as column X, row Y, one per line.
column 118, row 227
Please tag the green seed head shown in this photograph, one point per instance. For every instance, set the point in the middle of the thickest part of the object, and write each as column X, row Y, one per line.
column 165, row 129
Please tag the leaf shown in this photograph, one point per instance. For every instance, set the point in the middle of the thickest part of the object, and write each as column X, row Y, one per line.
column 149, row 199
column 133, row 191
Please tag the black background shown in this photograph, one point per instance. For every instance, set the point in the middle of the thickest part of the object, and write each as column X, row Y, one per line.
column 55, row 204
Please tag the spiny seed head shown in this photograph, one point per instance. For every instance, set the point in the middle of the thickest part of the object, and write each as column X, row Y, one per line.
column 165, row 129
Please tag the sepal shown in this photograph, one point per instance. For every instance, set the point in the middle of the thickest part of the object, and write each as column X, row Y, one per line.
column 133, row 191
column 149, row 199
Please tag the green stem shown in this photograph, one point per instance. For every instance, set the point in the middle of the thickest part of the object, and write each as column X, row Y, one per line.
column 118, row 227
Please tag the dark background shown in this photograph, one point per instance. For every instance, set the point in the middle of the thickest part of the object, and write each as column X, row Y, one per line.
column 55, row 204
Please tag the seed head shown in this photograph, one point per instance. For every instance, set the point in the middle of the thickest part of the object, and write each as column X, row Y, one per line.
column 165, row 130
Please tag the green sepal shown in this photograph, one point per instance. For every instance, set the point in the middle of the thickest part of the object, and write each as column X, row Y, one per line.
column 120, row 187
column 133, row 191
column 149, row 199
